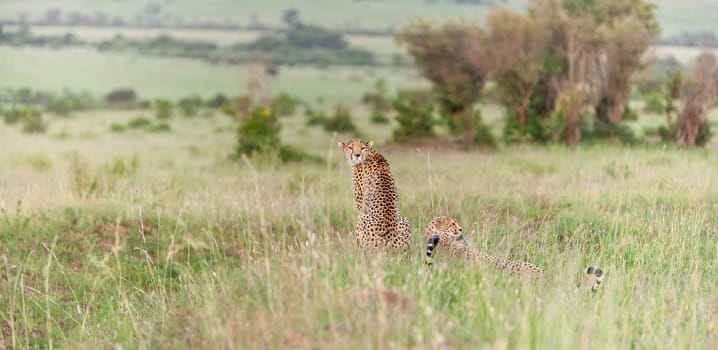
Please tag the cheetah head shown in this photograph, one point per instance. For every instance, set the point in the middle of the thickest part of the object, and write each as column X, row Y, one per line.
column 448, row 230
column 356, row 151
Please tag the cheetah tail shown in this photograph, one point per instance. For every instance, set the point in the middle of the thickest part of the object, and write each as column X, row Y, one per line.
column 430, row 246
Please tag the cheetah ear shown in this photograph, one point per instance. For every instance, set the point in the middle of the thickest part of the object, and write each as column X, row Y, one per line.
column 370, row 144
column 341, row 145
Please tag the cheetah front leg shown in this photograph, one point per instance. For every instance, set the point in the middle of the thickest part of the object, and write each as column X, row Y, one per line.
column 358, row 186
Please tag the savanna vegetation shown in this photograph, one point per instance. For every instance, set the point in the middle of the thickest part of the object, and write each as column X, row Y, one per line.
column 153, row 197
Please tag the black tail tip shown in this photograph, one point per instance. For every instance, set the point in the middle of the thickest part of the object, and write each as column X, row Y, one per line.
column 434, row 240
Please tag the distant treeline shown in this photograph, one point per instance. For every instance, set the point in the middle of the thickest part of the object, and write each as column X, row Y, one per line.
column 695, row 39
column 153, row 16
column 303, row 44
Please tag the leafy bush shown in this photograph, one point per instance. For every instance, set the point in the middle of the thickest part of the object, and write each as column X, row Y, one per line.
column 163, row 108
column 138, row 122
column 654, row 102
column 12, row 115
column 259, row 129
column 666, row 134
column 144, row 104
column 621, row 132
column 377, row 97
column 629, row 114
column 414, row 115
column 377, row 117
column 704, row 134
column 341, row 121
column 650, row 130
column 117, row 127
column 68, row 102
column 284, row 104
column 59, row 106
column 482, row 133
column 533, row 131
column 123, row 97
column 219, row 100
column 316, row 118
column 190, row 105
column 258, row 132
column 32, row 121
column 159, row 127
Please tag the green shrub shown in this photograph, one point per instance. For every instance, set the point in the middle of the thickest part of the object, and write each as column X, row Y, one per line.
column 376, row 98
column 229, row 110
column 654, row 102
column 629, row 114
column 39, row 161
column 378, row 117
column 314, row 117
column 284, row 104
column 650, row 130
column 534, row 130
column 414, row 115
column 11, row 116
column 259, row 129
column 144, row 104
column 123, row 97
column 190, row 105
column 32, row 121
column 59, row 106
column 704, row 134
column 138, row 122
column 341, row 121
column 258, row 132
column 163, row 108
column 621, row 132
column 482, row 132
column 217, row 101
column 159, row 127
column 702, row 139
column 117, row 127
column 666, row 134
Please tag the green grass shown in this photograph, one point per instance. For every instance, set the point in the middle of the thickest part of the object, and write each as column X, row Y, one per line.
column 99, row 73
column 104, row 243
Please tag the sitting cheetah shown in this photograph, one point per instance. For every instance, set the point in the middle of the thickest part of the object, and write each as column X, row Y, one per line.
column 376, row 199
column 444, row 231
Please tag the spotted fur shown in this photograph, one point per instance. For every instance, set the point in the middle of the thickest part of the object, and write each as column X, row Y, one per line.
column 375, row 197
column 451, row 240
column 446, row 233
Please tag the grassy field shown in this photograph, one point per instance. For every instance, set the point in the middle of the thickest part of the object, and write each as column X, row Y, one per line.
column 135, row 240
column 87, row 69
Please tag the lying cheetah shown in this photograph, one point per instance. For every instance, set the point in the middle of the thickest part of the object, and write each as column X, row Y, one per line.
column 445, row 231
column 375, row 197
